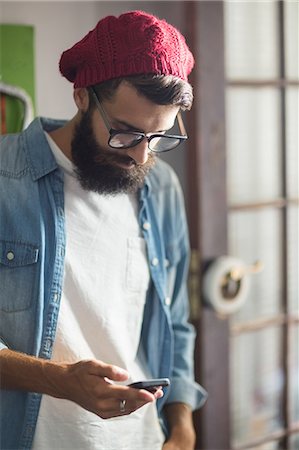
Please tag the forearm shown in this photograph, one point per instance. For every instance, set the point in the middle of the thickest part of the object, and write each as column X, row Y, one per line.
column 19, row 371
column 180, row 423
column 89, row 383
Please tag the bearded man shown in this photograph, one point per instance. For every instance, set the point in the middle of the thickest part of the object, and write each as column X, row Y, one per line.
column 94, row 253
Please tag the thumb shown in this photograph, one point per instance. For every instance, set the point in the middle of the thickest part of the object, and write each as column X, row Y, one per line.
column 110, row 371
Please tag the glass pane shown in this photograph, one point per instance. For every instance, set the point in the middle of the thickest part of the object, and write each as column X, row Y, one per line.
column 292, row 121
column 254, row 235
column 253, row 145
column 294, row 374
column 274, row 445
column 251, row 39
column 293, row 259
column 257, row 382
column 294, row 442
column 292, row 38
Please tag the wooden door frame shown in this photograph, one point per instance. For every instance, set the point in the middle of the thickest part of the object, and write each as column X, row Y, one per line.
column 207, row 212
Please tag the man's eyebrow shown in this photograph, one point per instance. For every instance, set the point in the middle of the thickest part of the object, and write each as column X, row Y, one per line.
column 127, row 125
column 132, row 128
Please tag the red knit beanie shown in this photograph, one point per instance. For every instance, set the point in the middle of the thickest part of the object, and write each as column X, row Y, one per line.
column 133, row 43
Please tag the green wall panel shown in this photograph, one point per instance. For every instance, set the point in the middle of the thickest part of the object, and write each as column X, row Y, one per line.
column 16, row 69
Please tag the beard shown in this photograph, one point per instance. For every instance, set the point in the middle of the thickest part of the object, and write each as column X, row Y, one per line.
column 96, row 168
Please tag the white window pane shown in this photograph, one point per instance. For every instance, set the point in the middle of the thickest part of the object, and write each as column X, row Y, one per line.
column 292, row 125
column 257, row 381
column 253, row 145
column 293, row 259
column 292, row 38
column 294, row 371
column 294, row 441
column 256, row 235
column 251, row 39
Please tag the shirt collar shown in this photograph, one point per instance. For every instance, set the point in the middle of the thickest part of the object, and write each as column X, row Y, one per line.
column 40, row 158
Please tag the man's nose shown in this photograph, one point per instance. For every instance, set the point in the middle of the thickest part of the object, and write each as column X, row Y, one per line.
column 140, row 152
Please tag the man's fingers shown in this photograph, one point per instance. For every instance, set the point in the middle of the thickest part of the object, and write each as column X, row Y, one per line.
column 110, row 371
column 128, row 393
column 113, row 408
column 159, row 393
column 114, row 373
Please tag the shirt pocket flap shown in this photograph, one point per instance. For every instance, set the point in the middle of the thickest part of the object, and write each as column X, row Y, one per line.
column 17, row 254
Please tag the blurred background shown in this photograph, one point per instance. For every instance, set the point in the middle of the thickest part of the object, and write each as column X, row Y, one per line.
column 239, row 172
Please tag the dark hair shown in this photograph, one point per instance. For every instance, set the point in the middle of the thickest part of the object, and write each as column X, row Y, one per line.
column 160, row 89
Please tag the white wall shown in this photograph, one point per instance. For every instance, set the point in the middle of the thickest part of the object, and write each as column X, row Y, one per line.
column 59, row 25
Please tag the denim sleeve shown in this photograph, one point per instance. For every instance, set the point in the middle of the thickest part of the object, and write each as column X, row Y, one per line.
column 183, row 386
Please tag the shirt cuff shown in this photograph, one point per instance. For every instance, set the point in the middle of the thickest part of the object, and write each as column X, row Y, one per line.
column 190, row 393
column 2, row 345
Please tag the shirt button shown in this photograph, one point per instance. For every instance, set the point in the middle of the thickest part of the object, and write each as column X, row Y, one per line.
column 168, row 301
column 55, row 297
column 48, row 344
column 146, row 226
column 155, row 261
column 166, row 262
column 10, row 256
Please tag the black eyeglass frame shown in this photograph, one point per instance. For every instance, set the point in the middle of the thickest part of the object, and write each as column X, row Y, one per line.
column 112, row 132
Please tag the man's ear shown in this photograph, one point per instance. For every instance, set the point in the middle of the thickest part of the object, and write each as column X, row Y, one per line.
column 81, row 99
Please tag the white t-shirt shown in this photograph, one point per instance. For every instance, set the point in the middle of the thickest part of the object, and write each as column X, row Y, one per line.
column 104, row 290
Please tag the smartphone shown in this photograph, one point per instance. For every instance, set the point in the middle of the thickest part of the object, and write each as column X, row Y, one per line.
column 151, row 385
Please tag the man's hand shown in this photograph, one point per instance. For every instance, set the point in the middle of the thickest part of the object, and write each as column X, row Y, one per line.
column 88, row 383
column 182, row 433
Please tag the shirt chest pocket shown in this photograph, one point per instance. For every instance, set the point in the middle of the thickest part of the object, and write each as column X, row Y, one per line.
column 18, row 275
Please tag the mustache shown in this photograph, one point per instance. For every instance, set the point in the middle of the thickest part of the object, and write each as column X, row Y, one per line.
column 112, row 158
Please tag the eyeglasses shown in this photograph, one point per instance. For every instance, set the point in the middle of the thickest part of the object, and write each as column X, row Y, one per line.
column 157, row 142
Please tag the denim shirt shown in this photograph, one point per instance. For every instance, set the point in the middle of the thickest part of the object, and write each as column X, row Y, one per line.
column 32, row 248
